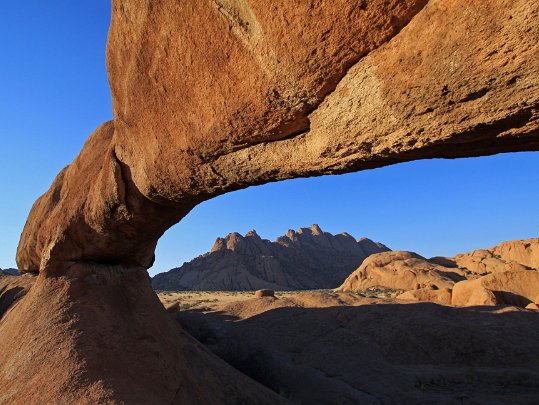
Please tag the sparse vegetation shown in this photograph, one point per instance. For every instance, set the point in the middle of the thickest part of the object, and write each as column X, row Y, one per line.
column 380, row 292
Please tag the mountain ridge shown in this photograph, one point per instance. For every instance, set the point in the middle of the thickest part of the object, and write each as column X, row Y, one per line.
column 308, row 258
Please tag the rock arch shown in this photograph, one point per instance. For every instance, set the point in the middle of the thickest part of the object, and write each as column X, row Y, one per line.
column 213, row 96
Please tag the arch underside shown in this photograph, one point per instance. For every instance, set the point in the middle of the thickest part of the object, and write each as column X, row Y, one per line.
column 234, row 107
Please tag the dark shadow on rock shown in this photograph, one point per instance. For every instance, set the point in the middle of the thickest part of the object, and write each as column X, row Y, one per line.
column 7, row 297
column 452, row 275
column 206, row 326
column 11, row 289
column 510, row 298
column 384, row 353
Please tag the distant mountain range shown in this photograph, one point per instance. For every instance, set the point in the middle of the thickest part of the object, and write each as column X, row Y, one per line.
column 306, row 259
column 12, row 272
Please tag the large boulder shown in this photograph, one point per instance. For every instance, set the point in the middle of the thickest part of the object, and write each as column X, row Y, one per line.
column 264, row 293
column 400, row 270
column 507, row 287
column 524, row 252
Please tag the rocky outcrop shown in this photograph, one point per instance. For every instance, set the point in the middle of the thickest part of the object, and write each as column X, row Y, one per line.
column 63, row 325
column 513, row 255
column 308, row 259
column 509, row 275
column 501, row 275
column 507, row 287
column 214, row 96
column 439, row 296
column 401, row 271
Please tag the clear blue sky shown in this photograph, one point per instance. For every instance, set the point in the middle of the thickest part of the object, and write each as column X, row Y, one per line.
column 55, row 92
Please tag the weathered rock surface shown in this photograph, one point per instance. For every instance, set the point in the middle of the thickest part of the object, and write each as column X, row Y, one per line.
column 320, row 348
column 401, row 271
column 11, row 289
column 308, row 259
column 439, row 296
column 214, row 96
column 513, row 255
column 507, row 287
column 63, row 326
column 501, row 275
column 288, row 91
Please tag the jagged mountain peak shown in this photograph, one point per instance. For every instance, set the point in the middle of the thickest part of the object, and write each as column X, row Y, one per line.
column 308, row 258
column 314, row 229
column 252, row 234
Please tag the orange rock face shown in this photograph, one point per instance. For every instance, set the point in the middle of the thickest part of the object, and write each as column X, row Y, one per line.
column 100, row 335
column 513, row 255
column 508, row 287
column 216, row 96
column 12, row 288
column 400, row 271
column 440, row 296
column 501, row 275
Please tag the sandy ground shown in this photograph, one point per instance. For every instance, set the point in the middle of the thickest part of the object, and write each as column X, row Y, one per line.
column 204, row 299
column 212, row 299
column 326, row 347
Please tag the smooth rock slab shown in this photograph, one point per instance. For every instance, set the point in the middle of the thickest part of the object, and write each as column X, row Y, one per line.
column 508, row 287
